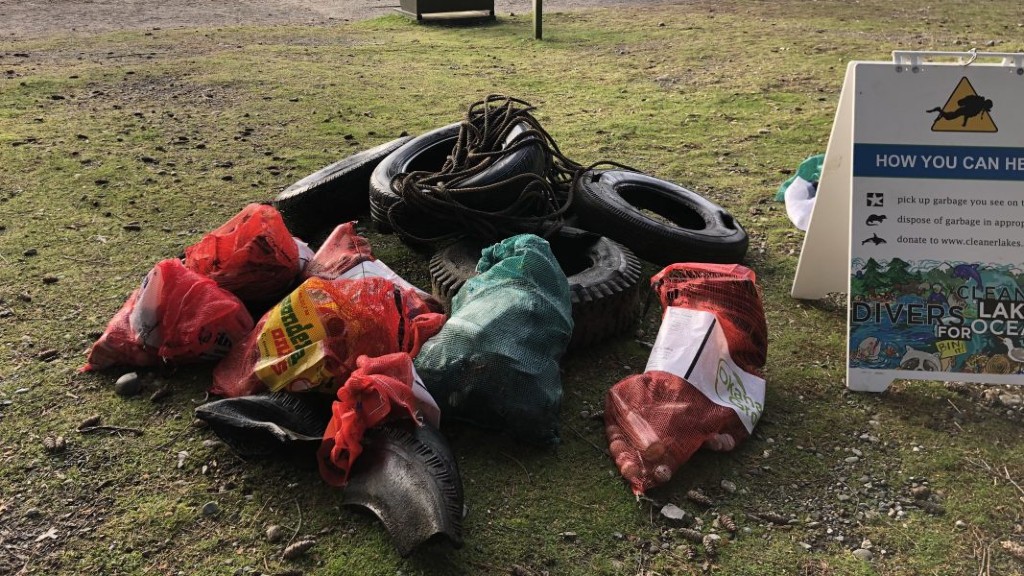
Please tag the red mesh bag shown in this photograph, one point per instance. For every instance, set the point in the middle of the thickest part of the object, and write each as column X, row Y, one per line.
column 342, row 250
column 379, row 389
column 176, row 315
column 118, row 345
column 313, row 337
column 252, row 255
column 703, row 385
column 347, row 255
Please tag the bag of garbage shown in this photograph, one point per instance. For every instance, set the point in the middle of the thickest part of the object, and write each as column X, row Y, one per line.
column 251, row 255
column 496, row 361
column 312, row 338
column 347, row 255
column 342, row 250
column 800, row 191
column 703, row 384
column 176, row 315
column 379, row 389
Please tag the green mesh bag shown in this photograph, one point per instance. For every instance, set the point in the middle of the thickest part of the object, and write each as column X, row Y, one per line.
column 495, row 363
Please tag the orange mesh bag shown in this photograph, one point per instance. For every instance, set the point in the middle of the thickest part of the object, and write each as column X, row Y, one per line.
column 313, row 337
column 703, row 384
column 176, row 315
column 342, row 250
column 379, row 389
column 118, row 345
column 251, row 255
column 347, row 255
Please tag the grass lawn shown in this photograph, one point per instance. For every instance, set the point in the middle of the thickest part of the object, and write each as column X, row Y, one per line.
column 176, row 130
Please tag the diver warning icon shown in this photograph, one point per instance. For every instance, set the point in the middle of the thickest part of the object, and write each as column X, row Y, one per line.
column 964, row 111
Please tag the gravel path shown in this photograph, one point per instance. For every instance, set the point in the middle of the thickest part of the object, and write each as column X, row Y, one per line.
column 39, row 18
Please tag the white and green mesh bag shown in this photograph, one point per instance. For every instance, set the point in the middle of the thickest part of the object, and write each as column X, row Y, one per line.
column 495, row 363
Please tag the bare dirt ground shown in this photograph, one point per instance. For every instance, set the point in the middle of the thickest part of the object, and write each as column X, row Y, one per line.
column 40, row 18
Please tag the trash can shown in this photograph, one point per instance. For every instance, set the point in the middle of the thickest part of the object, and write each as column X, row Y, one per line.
column 418, row 8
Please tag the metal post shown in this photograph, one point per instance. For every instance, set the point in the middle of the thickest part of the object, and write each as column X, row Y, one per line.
column 538, row 17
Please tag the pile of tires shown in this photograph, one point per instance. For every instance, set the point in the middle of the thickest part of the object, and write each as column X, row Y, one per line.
column 439, row 194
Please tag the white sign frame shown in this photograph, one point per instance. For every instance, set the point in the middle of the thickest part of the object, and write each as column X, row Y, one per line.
column 829, row 259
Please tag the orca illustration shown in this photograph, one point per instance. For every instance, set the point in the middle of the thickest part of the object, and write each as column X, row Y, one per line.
column 967, row 271
column 874, row 238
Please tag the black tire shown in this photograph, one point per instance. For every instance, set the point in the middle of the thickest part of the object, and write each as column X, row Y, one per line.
column 334, row 194
column 604, row 281
column 428, row 153
column 691, row 228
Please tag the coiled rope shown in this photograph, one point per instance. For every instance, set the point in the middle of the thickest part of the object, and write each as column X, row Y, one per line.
column 431, row 208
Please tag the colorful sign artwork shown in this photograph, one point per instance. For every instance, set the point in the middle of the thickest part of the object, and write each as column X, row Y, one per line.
column 936, row 276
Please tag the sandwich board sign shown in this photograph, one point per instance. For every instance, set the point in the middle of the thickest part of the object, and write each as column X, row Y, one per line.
column 919, row 218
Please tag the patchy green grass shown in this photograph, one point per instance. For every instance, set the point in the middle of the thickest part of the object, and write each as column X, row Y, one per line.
column 177, row 130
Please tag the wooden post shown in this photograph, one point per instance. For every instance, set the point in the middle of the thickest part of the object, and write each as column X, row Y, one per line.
column 538, row 18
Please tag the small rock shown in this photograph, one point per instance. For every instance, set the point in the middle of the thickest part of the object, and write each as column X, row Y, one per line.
column 128, row 385
column 863, row 554
column 33, row 513
column 182, row 456
column 674, row 513
column 275, row 533
column 960, row 524
column 132, row 226
column 729, row 486
column 50, row 279
column 25, row 297
column 805, row 546
column 213, row 443
column 921, row 492
column 1011, row 399
column 211, row 509
column 852, row 460
column 30, row 252
column 568, row 536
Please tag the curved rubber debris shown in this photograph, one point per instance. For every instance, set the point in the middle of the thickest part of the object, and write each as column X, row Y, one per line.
column 281, row 424
column 408, row 478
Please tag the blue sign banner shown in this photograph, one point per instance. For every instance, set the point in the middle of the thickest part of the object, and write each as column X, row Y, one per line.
column 939, row 162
